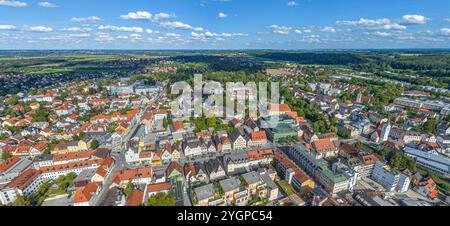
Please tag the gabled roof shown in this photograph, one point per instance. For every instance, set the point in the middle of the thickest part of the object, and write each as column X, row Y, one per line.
column 160, row 187
column 85, row 194
column 174, row 166
column 135, row 198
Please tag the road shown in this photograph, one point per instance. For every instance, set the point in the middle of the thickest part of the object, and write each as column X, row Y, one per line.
column 119, row 155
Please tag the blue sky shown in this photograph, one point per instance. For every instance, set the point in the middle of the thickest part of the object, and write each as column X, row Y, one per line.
column 224, row 24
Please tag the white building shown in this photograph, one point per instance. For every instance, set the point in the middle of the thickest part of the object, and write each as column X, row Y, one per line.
column 392, row 181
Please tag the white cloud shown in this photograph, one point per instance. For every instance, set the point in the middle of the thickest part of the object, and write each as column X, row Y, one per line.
column 8, row 27
column 12, row 3
column 179, row 25
column 91, row 19
column 377, row 24
column 163, row 16
column 447, row 19
column 281, row 30
column 149, row 31
column 297, row 31
column 292, row 4
column 139, row 15
column 47, row 5
column 445, row 31
column 222, row 15
column 328, row 29
column 121, row 29
column 415, row 19
column 38, row 29
column 382, row 34
column 77, row 29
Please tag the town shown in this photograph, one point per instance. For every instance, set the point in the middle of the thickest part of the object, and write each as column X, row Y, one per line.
column 111, row 139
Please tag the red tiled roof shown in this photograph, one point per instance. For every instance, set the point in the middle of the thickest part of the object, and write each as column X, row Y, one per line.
column 24, row 179
column 5, row 165
column 259, row 135
column 159, row 187
column 85, row 194
column 323, row 145
column 135, row 198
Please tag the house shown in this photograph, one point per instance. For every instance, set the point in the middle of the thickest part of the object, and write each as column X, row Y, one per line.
column 26, row 184
column 324, row 148
column 153, row 189
column 85, row 196
column 193, row 146
column 255, row 184
column 55, row 171
column 291, row 173
column 135, row 176
column 234, row 192
column 238, row 141
column 258, row 138
column 428, row 187
column 195, row 172
column 136, row 198
column 204, row 195
column 235, row 161
column 174, row 172
column 215, row 169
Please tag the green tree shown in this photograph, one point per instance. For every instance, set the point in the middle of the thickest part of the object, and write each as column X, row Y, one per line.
column 94, row 145
column 129, row 188
column 6, row 155
column 162, row 199
column 430, row 126
column 21, row 201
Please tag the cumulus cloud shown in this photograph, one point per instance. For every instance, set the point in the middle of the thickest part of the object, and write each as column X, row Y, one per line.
column 12, row 3
column 139, row 15
column 7, row 27
column 382, row 34
column 90, row 19
column 47, row 5
column 328, row 29
column 163, row 16
column 121, row 29
column 281, row 30
column 77, row 29
column 222, row 15
column 370, row 24
column 179, row 25
column 445, row 31
column 415, row 19
column 38, row 29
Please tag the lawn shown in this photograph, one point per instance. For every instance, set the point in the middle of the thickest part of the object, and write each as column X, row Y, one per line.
column 287, row 188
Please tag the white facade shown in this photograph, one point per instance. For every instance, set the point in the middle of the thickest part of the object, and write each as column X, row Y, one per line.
column 390, row 180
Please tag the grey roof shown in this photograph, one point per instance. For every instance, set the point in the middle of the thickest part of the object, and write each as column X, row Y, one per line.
column 213, row 165
column 268, row 181
column 252, row 177
column 230, row 184
column 437, row 161
column 205, row 192
column 238, row 157
column 85, row 175
column 43, row 157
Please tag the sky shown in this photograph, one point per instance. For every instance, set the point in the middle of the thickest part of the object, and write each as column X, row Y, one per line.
column 224, row 24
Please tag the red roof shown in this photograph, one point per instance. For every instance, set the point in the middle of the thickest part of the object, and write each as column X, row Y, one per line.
column 8, row 163
column 85, row 194
column 131, row 174
column 135, row 198
column 160, row 187
column 323, row 145
column 24, row 179
column 259, row 135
